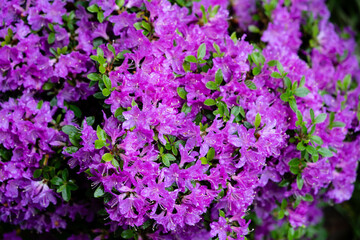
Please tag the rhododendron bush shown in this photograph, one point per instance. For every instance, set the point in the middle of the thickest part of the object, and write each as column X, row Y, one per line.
column 156, row 119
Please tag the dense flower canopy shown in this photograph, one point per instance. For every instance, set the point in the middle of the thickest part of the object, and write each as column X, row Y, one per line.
column 189, row 119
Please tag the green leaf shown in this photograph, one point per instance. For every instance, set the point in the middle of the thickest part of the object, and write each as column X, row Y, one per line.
column 111, row 49
column 235, row 110
column 250, row 84
column 338, row 124
column 37, row 173
column 93, row 8
column 325, row 152
column 256, row 71
column 301, row 92
column 276, row 75
column 280, row 67
column 100, row 16
column 107, row 81
column 90, row 120
column 166, row 158
column 39, row 105
column 302, row 81
column 146, row 26
column 295, row 170
column 99, row 192
column 211, row 85
column 299, row 182
column 257, row 120
column 253, row 29
column 56, row 180
column 308, row 198
column 300, row 146
column 316, row 139
column 127, row 234
column 272, row 63
column 107, row 157
column 51, row 38
column 65, row 174
column 66, row 193
column 76, row 110
column 204, row 160
column 320, row 118
column 347, row 81
column 312, row 115
column 211, row 154
column 209, row 102
column 291, row 234
column 216, row 47
column 219, row 76
column 234, row 37
column 201, row 51
column 287, row 82
column 182, row 93
column 292, row 103
column 221, row 213
column 294, row 162
column 191, row 58
column 69, row 129
column 101, row 133
column 71, row 149
column 94, row 77
column 310, row 149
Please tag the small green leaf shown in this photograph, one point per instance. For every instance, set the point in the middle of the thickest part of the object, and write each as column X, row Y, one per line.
column 234, row 37
column 107, row 157
column 219, row 76
column 56, row 181
column 221, row 213
column 312, row 115
column 280, row 67
column 69, row 129
column 310, row 149
column 338, row 124
column 272, row 63
column 256, row 71
column 100, row 16
column 204, row 160
column 211, row 154
column 317, row 140
column 51, row 38
column 211, row 85
column 99, row 192
column 111, row 49
column 37, row 173
column 209, row 102
column 94, row 77
column 182, row 93
column 257, row 120
column 300, row 146
column 39, row 105
column 301, row 92
column 66, row 193
column 320, row 118
column 250, row 84
column 294, row 162
column 325, row 152
column 276, row 75
column 299, row 182
column 71, row 149
column 93, row 8
column 127, row 234
column 292, row 103
column 107, row 81
column 347, row 81
column 291, row 234
column 201, row 51
column 308, row 198
column 253, row 29
column 191, row 58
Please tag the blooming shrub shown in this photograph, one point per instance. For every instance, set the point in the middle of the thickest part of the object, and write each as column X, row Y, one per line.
column 188, row 119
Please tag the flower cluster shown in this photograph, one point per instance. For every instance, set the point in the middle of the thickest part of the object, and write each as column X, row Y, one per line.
column 184, row 130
